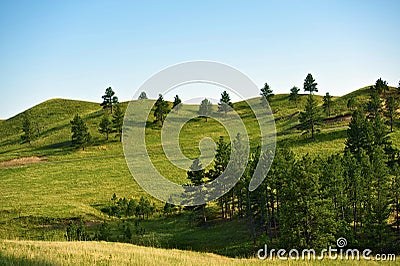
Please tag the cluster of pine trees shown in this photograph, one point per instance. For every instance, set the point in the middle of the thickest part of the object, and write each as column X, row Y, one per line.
column 123, row 207
column 308, row 202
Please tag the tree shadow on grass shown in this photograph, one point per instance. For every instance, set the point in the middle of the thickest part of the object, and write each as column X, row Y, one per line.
column 321, row 137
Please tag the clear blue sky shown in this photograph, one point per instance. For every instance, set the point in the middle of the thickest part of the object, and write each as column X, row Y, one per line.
column 75, row 49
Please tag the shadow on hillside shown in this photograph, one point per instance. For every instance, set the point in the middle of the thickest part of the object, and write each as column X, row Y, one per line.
column 321, row 137
column 59, row 148
column 13, row 260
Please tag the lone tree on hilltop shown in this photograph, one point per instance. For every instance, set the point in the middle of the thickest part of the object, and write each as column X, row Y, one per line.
column 161, row 110
column 80, row 134
column 109, row 99
column 27, row 128
column 105, row 125
column 118, row 121
column 310, row 85
column 205, row 108
column 177, row 103
column 225, row 105
column 266, row 94
column 380, row 86
column 142, row 96
column 327, row 105
column 294, row 95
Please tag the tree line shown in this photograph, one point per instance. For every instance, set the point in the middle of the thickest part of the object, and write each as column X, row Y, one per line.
column 308, row 202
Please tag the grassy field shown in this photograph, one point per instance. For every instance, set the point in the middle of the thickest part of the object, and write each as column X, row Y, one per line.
column 39, row 196
column 14, row 252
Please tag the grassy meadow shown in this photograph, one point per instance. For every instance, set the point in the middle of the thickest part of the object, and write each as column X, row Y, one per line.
column 39, row 197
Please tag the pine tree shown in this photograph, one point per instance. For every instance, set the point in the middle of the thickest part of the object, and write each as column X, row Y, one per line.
column 266, row 94
column 380, row 86
column 161, row 109
column 351, row 104
column 311, row 116
column 375, row 104
column 205, row 108
column 294, row 95
column 27, row 129
column 309, row 84
column 378, row 201
column 327, row 105
column 118, row 121
column 80, row 134
column 391, row 105
column 221, row 161
column 359, row 133
column 398, row 88
column 177, row 103
column 306, row 219
column 333, row 185
column 109, row 99
column 225, row 105
column 196, row 176
column 395, row 188
column 105, row 125
column 142, row 96
column 380, row 133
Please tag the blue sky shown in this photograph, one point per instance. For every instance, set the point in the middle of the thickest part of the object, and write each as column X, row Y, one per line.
column 76, row 49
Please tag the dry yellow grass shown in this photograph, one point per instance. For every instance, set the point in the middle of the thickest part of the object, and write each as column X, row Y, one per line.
column 16, row 252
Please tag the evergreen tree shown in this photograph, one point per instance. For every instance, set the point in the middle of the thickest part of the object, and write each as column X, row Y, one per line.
column 380, row 133
column 221, row 160
column 391, row 105
column 105, row 125
column 395, row 188
column 306, row 220
column 225, row 105
column 109, row 99
column 266, row 94
column 80, row 134
column 311, row 116
column 118, row 121
column 27, row 129
column 398, row 88
column 351, row 104
column 177, row 103
column 334, row 188
column 294, row 95
column 142, row 96
column 378, row 201
column 309, row 84
column 354, row 184
column 375, row 104
column 327, row 105
column 205, row 108
column 359, row 133
column 196, row 176
column 161, row 109
column 380, row 86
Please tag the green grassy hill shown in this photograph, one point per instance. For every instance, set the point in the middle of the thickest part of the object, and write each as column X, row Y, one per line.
column 48, row 183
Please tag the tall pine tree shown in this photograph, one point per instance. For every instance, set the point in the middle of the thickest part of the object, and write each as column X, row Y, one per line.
column 80, row 134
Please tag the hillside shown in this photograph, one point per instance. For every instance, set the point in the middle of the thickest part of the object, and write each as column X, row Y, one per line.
column 49, row 183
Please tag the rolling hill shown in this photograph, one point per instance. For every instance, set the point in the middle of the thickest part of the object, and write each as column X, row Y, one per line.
column 47, row 183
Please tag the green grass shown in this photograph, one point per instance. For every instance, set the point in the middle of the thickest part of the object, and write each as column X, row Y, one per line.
column 38, row 199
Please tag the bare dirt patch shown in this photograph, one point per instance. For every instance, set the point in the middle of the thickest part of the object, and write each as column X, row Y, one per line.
column 22, row 161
